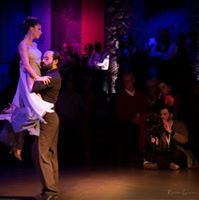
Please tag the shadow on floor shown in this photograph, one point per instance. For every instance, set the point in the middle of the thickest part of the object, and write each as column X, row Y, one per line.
column 16, row 198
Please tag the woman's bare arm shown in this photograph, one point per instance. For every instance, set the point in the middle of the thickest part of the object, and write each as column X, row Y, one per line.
column 23, row 52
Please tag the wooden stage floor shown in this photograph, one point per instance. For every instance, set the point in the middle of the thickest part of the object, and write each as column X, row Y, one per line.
column 104, row 184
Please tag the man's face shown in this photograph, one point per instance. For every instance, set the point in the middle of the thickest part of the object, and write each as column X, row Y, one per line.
column 128, row 81
column 165, row 115
column 47, row 61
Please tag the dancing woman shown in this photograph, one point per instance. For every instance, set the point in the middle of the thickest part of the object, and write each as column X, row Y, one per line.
column 27, row 108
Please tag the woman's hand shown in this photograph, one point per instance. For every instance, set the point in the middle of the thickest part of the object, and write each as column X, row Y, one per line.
column 44, row 79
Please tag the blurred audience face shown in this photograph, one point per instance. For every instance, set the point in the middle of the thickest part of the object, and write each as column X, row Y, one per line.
column 165, row 114
column 152, row 86
column 63, row 47
column 129, row 81
column 88, row 48
column 165, row 89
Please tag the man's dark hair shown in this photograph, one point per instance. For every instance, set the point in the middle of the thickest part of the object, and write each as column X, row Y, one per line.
column 169, row 108
column 165, row 81
column 57, row 56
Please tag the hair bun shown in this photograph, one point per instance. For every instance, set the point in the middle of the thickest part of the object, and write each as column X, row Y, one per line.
column 30, row 22
column 30, row 18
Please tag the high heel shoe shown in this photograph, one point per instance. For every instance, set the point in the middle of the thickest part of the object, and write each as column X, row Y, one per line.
column 16, row 153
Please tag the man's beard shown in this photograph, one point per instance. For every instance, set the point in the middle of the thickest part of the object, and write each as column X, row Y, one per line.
column 46, row 67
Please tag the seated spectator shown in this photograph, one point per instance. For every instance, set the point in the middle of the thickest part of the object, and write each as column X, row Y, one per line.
column 167, row 139
column 130, row 105
column 180, row 134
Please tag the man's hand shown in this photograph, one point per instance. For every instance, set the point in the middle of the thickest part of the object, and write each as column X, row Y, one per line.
column 44, row 79
column 154, row 140
column 167, row 126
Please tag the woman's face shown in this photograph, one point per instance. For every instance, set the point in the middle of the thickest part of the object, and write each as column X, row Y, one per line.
column 36, row 31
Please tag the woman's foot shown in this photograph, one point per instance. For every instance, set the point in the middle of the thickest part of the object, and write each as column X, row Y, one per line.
column 10, row 109
column 17, row 153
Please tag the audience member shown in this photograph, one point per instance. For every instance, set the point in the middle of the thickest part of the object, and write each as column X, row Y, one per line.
column 167, row 140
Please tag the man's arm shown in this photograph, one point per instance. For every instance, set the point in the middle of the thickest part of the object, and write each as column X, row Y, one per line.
column 180, row 132
column 39, row 85
column 104, row 64
column 170, row 52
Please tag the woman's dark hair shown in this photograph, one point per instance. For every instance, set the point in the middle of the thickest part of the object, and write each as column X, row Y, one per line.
column 30, row 22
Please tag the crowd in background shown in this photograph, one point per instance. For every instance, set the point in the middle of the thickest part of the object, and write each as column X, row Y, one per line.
column 97, row 125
